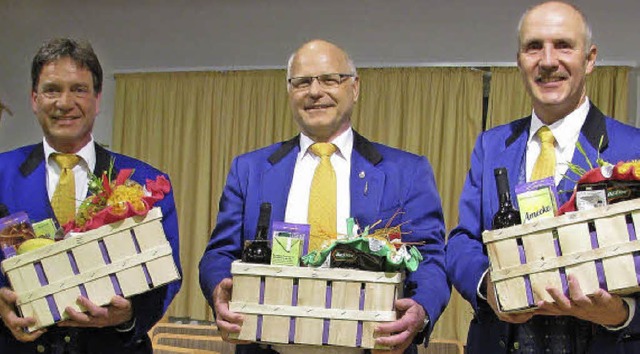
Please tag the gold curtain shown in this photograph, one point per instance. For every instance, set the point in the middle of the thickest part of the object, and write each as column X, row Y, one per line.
column 607, row 88
column 192, row 124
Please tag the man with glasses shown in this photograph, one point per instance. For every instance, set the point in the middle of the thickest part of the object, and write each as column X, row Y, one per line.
column 368, row 181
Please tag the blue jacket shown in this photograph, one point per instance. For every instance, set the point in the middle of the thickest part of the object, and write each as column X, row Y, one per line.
column 383, row 180
column 23, row 188
column 466, row 260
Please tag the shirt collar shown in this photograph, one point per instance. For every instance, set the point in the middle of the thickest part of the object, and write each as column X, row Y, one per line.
column 87, row 153
column 344, row 143
column 566, row 130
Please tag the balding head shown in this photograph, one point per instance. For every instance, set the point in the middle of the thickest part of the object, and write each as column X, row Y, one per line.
column 321, row 46
column 324, row 91
column 557, row 7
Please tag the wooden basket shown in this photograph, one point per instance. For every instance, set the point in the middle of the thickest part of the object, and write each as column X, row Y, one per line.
column 312, row 306
column 125, row 258
column 599, row 247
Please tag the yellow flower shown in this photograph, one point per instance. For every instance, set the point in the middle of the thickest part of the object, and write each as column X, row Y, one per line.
column 129, row 192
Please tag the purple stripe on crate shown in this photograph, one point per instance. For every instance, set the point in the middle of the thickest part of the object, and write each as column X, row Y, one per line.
column 361, row 308
column 74, row 268
column 51, row 302
column 83, row 290
column 602, row 280
column 105, row 253
column 145, row 270
column 527, row 281
column 261, row 302
column 116, row 284
column 325, row 324
column 72, row 261
column 563, row 273
column 42, row 278
column 631, row 229
column 292, row 321
column 53, row 308
column 633, row 237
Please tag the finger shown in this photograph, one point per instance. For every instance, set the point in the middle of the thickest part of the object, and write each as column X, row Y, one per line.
column 601, row 298
column 28, row 337
column 575, row 291
column 120, row 303
column 395, row 340
column 76, row 318
column 561, row 302
column 92, row 309
column 392, row 327
column 516, row 317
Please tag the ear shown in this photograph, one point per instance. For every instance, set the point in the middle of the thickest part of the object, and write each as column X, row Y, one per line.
column 98, row 100
column 591, row 58
column 34, row 99
column 356, row 88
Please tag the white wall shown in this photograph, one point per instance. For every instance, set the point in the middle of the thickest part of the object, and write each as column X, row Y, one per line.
column 168, row 34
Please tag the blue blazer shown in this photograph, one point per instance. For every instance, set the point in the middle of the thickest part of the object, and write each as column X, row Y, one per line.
column 383, row 180
column 466, row 259
column 23, row 188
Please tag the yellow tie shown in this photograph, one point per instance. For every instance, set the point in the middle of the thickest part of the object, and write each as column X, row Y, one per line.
column 322, row 199
column 63, row 201
column 545, row 165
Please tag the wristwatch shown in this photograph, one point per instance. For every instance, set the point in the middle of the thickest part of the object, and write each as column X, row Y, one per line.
column 425, row 323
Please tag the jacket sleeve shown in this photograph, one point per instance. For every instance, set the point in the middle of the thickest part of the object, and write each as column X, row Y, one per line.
column 466, row 258
column 428, row 285
column 225, row 244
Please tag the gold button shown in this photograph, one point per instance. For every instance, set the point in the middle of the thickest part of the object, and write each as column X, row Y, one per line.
column 40, row 348
column 516, row 345
column 67, row 339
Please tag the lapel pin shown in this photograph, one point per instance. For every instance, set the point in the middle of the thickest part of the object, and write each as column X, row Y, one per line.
column 361, row 174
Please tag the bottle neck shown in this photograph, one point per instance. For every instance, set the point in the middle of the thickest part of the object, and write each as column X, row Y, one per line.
column 505, row 199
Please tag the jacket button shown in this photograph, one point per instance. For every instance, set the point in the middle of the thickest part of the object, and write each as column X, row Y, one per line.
column 40, row 348
column 502, row 343
column 516, row 345
column 67, row 339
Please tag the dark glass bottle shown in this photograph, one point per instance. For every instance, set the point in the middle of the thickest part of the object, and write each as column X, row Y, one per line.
column 507, row 215
column 258, row 251
column 3, row 211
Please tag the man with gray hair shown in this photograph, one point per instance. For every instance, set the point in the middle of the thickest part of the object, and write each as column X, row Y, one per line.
column 555, row 54
column 371, row 182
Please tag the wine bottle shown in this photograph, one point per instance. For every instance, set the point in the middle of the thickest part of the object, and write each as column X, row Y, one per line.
column 3, row 211
column 258, row 251
column 507, row 215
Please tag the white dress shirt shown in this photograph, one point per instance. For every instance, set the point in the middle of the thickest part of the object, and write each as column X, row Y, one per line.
column 81, row 171
column 298, row 207
column 306, row 162
column 566, row 132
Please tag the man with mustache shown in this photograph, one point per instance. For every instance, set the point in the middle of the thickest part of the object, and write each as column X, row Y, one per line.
column 66, row 79
column 372, row 182
column 555, row 55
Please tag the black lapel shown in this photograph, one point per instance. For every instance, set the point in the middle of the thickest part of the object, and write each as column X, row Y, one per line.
column 35, row 158
column 103, row 158
column 284, row 149
column 517, row 128
column 366, row 148
column 595, row 127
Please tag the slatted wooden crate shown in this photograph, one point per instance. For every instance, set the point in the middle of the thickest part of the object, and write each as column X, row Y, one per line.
column 313, row 306
column 599, row 247
column 124, row 258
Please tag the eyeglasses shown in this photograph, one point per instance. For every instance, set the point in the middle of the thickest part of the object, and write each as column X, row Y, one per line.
column 326, row 81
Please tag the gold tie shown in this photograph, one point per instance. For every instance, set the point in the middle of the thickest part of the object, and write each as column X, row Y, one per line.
column 545, row 165
column 63, row 201
column 322, row 198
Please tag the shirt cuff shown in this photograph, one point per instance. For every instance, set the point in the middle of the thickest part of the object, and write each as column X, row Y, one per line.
column 479, row 293
column 631, row 302
column 127, row 326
